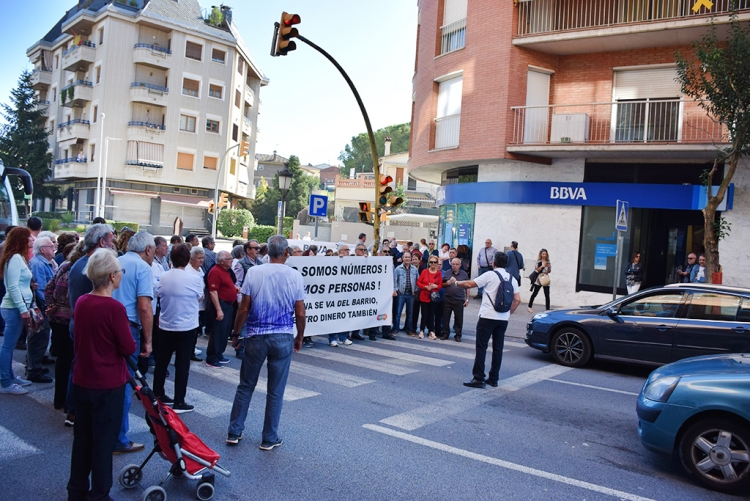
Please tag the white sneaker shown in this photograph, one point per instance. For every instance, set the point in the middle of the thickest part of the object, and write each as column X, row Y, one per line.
column 347, row 342
column 14, row 389
column 334, row 344
column 197, row 352
column 21, row 382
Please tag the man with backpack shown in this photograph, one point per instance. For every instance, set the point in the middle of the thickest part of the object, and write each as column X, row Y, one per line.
column 499, row 300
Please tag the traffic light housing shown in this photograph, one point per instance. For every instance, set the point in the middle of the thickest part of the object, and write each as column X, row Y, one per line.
column 211, row 207
column 394, row 201
column 284, row 44
column 223, row 201
column 244, row 149
column 384, row 189
column 365, row 213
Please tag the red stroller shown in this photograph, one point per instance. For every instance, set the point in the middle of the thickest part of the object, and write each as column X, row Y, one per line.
column 189, row 456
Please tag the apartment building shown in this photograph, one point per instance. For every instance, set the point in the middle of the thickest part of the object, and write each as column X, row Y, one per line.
column 536, row 125
column 149, row 95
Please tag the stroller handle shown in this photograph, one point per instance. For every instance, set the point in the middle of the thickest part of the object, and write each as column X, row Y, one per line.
column 134, row 367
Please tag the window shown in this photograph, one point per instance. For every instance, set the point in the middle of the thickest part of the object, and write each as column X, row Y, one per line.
column 145, row 154
column 187, row 123
column 57, row 60
column 261, row 167
column 235, row 132
column 193, row 50
column 101, row 36
column 659, row 305
column 233, row 166
column 454, row 26
column 98, row 72
column 52, row 125
column 237, row 98
column 54, row 94
column 713, row 306
column 95, row 114
column 411, row 184
column 744, row 313
column 185, row 160
column 190, row 87
column 448, row 118
column 212, row 126
column 210, row 162
column 240, row 64
column 216, row 91
column 218, row 56
column 93, row 150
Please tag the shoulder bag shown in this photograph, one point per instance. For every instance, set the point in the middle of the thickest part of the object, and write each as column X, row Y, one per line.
column 544, row 280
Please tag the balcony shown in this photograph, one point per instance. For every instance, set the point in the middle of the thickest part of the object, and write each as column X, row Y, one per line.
column 249, row 95
column 647, row 129
column 79, row 57
column 586, row 26
column 447, row 130
column 149, row 93
column 72, row 168
column 41, row 79
column 152, row 55
column 247, row 126
column 146, row 131
column 43, row 106
column 72, row 131
column 77, row 94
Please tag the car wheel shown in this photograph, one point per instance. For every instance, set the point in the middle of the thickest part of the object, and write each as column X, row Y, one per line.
column 571, row 347
column 717, row 453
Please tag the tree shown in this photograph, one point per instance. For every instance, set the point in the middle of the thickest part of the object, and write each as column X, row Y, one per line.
column 264, row 208
column 717, row 77
column 400, row 191
column 23, row 137
column 357, row 154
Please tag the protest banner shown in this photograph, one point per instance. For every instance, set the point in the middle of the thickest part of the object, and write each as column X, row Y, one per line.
column 345, row 293
column 322, row 246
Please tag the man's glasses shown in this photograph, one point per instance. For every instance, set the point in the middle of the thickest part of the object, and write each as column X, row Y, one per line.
column 254, row 248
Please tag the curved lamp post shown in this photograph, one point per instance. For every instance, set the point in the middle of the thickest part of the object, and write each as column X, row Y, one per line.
column 285, row 182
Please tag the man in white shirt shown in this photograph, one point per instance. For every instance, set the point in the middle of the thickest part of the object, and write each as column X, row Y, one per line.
column 491, row 323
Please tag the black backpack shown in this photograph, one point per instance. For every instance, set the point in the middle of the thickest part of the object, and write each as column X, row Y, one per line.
column 504, row 296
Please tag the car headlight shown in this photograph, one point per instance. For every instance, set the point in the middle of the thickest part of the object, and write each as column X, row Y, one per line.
column 539, row 316
column 660, row 389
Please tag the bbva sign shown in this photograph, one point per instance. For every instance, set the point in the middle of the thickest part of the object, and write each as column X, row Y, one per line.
column 567, row 193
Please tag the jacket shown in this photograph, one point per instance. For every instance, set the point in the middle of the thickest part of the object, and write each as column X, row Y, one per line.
column 399, row 279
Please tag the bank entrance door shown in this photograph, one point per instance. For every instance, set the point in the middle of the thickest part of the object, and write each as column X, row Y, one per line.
column 672, row 236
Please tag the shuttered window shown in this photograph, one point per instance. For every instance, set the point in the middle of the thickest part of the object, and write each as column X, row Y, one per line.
column 453, row 29
column 185, row 161
column 145, row 154
column 193, row 50
column 648, row 107
column 215, row 91
column 449, row 97
column 190, row 87
column 210, row 162
column 647, row 83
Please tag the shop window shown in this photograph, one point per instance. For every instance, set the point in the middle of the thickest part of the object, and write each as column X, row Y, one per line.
column 185, row 161
column 193, row 50
column 598, row 251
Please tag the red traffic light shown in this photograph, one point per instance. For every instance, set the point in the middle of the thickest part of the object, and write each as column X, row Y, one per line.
column 385, row 179
column 290, row 19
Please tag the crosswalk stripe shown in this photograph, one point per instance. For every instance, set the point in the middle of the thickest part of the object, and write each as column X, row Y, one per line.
column 230, row 375
column 435, row 362
column 328, row 375
column 396, row 370
column 205, row 404
column 419, row 346
column 13, row 446
column 427, row 414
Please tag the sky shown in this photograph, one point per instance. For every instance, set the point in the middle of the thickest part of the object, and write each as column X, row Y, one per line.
column 308, row 109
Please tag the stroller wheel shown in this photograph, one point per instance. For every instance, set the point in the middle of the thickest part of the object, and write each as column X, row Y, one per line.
column 154, row 493
column 130, row 475
column 204, row 491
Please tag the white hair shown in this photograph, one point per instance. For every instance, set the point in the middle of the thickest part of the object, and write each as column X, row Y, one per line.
column 41, row 242
column 140, row 242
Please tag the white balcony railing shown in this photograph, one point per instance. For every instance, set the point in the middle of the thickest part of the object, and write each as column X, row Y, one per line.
column 453, row 36
column 623, row 122
column 447, row 130
column 554, row 16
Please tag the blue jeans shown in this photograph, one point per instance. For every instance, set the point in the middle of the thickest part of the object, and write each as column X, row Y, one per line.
column 13, row 329
column 122, row 439
column 482, row 271
column 340, row 336
column 401, row 300
column 486, row 329
column 277, row 349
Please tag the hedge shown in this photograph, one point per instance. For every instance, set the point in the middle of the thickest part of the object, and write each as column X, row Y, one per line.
column 119, row 225
column 261, row 233
column 46, row 215
column 49, row 224
column 232, row 222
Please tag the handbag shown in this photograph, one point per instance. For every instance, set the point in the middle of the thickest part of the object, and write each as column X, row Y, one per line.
column 544, row 280
column 434, row 297
column 37, row 319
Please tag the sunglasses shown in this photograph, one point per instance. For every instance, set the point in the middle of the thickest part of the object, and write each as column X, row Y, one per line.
column 254, row 248
column 433, row 262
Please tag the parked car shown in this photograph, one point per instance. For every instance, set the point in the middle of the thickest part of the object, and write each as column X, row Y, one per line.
column 699, row 408
column 654, row 326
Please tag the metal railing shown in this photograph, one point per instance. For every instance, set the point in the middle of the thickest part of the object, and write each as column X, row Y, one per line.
column 152, row 48
column 43, row 102
column 553, row 16
column 82, row 43
column 145, row 163
column 76, row 160
column 249, row 94
column 151, row 87
column 39, row 70
column 633, row 121
column 84, row 83
column 148, row 125
column 73, row 122
column 453, row 36
column 247, row 121
column 447, row 130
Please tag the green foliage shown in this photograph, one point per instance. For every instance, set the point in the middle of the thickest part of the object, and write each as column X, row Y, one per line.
column 263, row 209
column 722, row 227
column 119, row 225
column 231, row 222
column 358, row 153
column 67, row 218
column 23, row 137
column 261, row 233
column 50, row 224
column 216, row 17
column 288, row 226
column 71, row 92
column 133, row 3
column 400, row 191
column 48, row 215
column 267, row 197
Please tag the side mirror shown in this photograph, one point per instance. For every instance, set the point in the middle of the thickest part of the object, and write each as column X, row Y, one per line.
column 612, row 313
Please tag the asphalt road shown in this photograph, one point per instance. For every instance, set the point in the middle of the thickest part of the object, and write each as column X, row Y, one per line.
column 390, row 420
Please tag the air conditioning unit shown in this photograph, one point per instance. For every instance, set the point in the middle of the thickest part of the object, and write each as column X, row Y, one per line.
column 570, row 128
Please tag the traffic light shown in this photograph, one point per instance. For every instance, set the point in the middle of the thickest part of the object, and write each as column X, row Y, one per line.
column 365, row 213
column 223, row 200
column 384, row 189
column 286, row 32
column 244, row 149
column 211, row 207
column 395, row 201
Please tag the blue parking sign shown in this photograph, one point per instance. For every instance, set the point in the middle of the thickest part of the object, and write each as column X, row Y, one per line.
column 318, row 205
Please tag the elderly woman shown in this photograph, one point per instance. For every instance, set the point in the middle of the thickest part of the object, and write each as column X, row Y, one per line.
column 63, row 239
column 122, row 240
column 180, row 292
column 196, row 267
column 102, row 341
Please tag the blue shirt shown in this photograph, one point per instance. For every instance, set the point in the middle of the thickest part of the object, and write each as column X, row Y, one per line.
column 78, row 283
column 43, row 272
column 137, row 281
column 274, row 289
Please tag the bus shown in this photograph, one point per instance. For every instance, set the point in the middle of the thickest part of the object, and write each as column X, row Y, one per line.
column 8, row 211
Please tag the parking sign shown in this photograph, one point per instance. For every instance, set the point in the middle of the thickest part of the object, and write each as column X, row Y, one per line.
column 318, row 205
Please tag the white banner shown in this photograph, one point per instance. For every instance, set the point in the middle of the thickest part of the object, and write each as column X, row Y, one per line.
column 345, row 293
column 322, row 246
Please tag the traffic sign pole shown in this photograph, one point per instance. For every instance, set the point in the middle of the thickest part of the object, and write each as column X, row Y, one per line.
column 621, row 225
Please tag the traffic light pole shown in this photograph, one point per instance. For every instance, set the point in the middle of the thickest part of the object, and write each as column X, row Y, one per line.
column 373, row 149
column 216, row 189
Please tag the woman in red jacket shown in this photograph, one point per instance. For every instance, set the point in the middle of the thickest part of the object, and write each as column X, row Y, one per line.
column 429, row 281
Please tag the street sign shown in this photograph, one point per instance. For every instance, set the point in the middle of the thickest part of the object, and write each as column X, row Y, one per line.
column 621, row 216
column 318, row 205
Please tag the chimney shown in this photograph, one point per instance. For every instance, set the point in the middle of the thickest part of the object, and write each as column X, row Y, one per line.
column 387, row 146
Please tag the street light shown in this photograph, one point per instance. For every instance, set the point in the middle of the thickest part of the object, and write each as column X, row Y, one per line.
column 285, row 181
column 103, row 191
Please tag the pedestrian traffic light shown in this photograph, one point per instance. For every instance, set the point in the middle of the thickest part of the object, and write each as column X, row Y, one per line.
column 365, row 213
column 244, row 149
column 286, row 32
column 384, row 188
column 211, row 207
column 223, row 201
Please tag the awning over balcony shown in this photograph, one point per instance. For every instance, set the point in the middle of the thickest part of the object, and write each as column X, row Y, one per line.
column 185, row 200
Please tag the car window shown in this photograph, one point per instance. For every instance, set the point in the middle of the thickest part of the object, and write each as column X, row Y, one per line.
column 713, row 306
column 744, row 314
column 659, row 305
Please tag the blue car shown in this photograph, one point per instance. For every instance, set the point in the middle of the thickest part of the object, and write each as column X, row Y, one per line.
column 655, row 326
column 699, row 408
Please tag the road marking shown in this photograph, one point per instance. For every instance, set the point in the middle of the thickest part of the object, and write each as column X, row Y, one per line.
column 232, row 376
column 435, row 362
column 593, row 387
column 429, row 349
column 205, row 404
column 431, row 413
column 506, row 464
column 515, row 344
column 396, row 370
column 13, row 446
column 328, row 375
